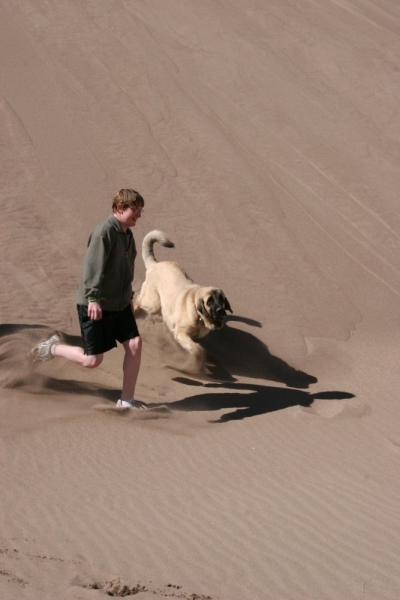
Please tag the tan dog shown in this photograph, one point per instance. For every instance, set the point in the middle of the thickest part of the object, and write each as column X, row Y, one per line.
column 189, row 310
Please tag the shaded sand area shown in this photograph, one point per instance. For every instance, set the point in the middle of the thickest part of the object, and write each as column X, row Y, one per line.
column 265, row 139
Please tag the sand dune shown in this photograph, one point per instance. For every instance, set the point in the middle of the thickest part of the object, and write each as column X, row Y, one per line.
column 265, row 139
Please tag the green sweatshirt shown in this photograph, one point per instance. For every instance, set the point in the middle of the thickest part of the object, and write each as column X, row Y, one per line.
column 108, row 266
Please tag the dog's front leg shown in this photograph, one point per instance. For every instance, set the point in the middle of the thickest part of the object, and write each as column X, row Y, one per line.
column 192, row 347
column 195, row 364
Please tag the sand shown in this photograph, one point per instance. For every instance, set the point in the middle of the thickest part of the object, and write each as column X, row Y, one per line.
column 265, row 139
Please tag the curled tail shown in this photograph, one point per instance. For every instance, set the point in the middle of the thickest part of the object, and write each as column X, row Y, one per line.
column 147, row 246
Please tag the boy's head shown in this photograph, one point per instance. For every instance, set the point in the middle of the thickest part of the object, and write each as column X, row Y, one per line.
column 127, row 198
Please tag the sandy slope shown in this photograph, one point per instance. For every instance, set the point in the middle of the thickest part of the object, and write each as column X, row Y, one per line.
column 264, row 137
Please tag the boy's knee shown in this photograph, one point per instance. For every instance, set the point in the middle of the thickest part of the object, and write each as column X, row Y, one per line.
column 91, row 361
column 135, row 345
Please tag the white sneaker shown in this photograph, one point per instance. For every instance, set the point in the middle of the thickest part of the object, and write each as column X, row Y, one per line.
column 131, row 404
column 43, row 350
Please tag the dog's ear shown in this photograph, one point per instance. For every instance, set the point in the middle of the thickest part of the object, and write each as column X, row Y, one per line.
column 201, row 308
column 227, row 306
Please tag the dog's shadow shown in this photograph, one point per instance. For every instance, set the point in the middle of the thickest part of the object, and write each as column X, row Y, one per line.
column 233, row 352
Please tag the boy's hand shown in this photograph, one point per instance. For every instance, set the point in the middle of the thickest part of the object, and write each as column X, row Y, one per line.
column 94, row 311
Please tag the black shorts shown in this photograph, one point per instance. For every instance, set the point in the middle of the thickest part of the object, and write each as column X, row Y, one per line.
column 101, row 336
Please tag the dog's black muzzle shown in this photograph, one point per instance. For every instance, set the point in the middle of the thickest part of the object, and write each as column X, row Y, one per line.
column 218, row 314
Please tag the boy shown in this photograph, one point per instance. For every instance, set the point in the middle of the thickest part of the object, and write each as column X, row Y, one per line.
column 104, row 298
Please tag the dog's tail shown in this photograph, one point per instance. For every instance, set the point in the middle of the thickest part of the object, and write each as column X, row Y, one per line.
column 147, row 246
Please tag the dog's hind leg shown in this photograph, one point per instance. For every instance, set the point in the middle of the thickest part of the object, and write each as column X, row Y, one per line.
column 147, row 300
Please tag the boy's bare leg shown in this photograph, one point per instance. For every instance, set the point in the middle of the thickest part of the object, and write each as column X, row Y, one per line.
column 131, row 366
column 76, row 354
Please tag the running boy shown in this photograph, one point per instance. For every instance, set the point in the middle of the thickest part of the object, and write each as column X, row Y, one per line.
column 104, row 298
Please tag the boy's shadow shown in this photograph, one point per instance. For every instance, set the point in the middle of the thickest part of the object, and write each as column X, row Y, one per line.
column 261, row 400
column 232, row 352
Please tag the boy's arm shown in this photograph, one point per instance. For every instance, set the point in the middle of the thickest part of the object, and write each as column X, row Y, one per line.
column 97, row 253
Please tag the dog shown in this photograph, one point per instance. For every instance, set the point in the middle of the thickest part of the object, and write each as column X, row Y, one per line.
column 190, row 311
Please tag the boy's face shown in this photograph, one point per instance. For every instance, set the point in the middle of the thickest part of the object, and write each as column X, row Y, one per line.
column 129, row 215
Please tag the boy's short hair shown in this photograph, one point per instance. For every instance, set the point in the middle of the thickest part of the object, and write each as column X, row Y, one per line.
column 126, row 198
